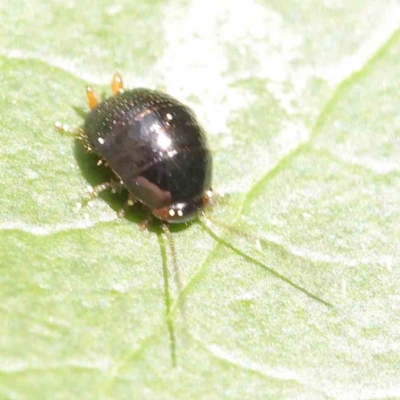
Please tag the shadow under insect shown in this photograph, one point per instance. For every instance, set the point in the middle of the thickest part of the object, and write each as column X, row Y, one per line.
column 96, row 174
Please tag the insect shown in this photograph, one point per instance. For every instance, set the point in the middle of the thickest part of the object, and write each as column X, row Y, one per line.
column 158, row 152
column 155, row 147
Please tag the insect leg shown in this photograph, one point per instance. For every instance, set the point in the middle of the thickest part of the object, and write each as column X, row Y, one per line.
column 130, row 202
column 144, row 225
column 96, row 190
column 66, row 130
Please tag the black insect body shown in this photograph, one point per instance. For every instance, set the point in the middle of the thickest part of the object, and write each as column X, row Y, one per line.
column 155, row 147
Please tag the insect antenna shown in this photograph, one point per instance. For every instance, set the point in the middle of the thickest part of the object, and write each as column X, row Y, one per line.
column 168, row 302
column 209, row 225
column 170, row 239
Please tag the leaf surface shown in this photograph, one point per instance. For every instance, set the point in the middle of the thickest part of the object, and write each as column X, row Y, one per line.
column 300, row 100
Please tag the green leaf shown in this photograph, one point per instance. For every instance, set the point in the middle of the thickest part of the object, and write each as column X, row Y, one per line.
column 291, row 290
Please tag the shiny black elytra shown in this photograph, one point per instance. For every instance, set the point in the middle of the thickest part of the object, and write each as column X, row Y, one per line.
column 156, row 148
